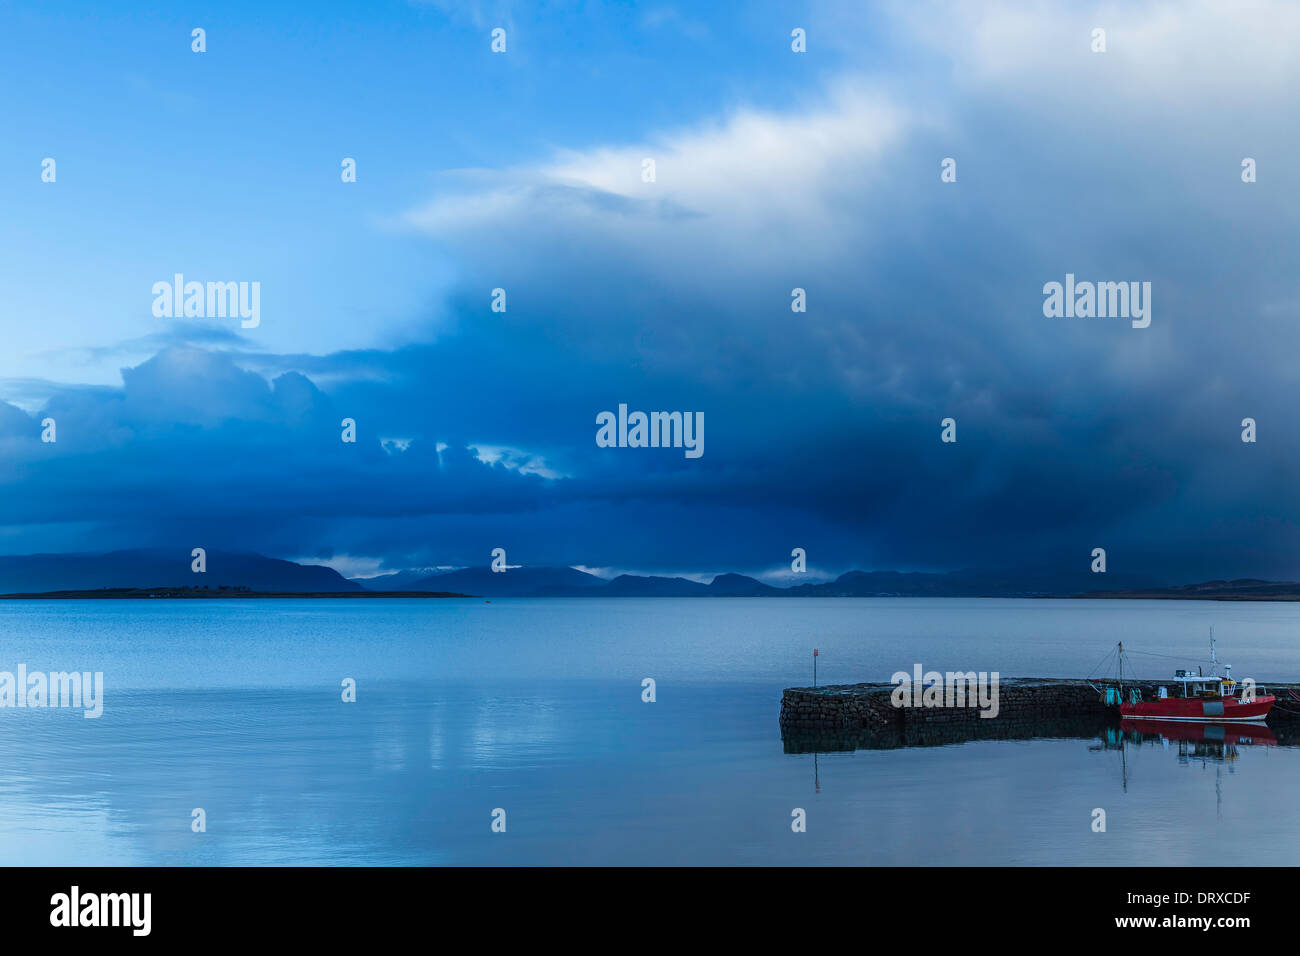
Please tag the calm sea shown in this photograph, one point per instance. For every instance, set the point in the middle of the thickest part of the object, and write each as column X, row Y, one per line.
column 534, row 707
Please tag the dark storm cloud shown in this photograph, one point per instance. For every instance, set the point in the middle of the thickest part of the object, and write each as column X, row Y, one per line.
column 821, row 428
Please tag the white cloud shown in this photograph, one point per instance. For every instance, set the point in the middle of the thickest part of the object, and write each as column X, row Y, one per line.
column 751, row 178
column 350, row 566
column 516, row 459
column 1154, row 51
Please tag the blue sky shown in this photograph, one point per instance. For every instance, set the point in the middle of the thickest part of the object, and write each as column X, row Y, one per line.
column 228, row 162
column 775, row 170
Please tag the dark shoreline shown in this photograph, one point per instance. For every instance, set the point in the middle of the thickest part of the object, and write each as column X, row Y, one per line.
column 207, row 594
column 144, row 594
column 1257, row 598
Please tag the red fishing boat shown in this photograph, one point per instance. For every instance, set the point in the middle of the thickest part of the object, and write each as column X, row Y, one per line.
column 1196, row 697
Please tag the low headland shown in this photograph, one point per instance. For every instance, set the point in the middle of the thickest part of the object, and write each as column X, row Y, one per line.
column 215, row 594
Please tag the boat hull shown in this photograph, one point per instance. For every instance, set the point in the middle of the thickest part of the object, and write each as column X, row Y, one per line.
column 1219, row 710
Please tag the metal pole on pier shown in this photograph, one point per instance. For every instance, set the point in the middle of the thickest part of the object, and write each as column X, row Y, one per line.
column 814, row 667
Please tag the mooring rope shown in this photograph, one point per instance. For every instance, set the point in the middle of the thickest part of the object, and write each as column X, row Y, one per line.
column 1171, row 657
column 1102, row 662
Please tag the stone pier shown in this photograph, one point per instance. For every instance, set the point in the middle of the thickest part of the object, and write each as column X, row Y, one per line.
column 853, row 716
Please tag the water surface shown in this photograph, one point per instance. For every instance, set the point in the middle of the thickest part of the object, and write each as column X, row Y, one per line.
column 534, row 707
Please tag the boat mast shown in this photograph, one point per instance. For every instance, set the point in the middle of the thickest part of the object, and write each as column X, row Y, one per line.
column 1121, row 669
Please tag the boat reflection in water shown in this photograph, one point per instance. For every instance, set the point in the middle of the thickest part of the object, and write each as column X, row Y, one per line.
column 1204, row 744
column 1209, row 741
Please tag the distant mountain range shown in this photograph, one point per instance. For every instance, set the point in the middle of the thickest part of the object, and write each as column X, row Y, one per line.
column 516, row 582
column 144, row 569
column 397, row 580
column 569, row 582
column 164, row 568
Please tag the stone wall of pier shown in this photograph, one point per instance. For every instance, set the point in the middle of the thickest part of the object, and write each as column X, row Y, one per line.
column 863, row 715
column 868, row 706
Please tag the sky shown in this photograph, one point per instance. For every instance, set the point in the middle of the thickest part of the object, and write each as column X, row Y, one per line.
column 774, row 170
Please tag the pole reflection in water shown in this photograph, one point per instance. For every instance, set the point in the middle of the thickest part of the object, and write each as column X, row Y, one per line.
column 1193, row 743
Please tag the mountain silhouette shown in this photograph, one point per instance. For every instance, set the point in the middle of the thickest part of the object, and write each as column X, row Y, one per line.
column 163, row 567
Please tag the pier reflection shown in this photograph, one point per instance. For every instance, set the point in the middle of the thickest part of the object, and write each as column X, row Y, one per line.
column 938, row 734
column 1205, row 741
column 1142, row 754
